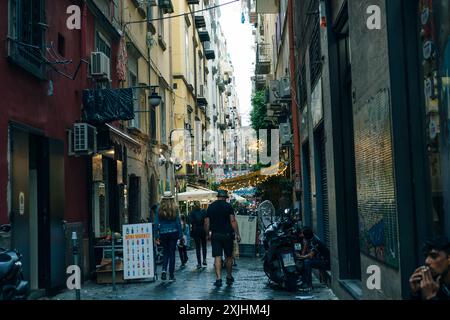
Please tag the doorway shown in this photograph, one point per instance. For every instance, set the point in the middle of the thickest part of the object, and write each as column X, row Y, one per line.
column 37, row 206
column 347, row 214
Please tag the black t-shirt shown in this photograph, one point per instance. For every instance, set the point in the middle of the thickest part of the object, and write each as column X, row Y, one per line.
column 219, row 217
column 198, row 219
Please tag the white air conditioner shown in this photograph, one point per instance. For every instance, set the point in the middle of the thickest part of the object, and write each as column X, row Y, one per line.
column 100, row 65
column 82, row 139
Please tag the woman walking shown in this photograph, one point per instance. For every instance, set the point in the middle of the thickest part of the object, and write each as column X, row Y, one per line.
column 198, row 233
column 169, row 233
column 184, row 241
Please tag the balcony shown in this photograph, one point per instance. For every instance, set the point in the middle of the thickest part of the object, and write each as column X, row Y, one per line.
column 141, row 7
column 263, row 58
column 204, row 36
column 201, row 99
column 166, row 6
column 192, row 2
column 267, row 6
column 210, row 54
column 260, row 82
column 200, row 22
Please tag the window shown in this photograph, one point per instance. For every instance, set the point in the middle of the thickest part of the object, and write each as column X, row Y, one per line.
column 27, row 34
column 61, row 45
column 102, row 44
column 132, row 82
column 153, row 123
column 161, row 23
column 186, row 55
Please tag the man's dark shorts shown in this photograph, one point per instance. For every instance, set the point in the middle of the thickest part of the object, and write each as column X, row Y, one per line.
column 222, row 243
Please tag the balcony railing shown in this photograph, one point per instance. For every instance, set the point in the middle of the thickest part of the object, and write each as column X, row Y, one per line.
column 263, row 58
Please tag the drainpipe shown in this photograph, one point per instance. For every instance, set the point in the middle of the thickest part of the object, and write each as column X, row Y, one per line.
column 296, row 116
column 83, row 49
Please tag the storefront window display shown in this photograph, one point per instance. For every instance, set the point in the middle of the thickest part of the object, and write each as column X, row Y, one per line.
column 435, row 40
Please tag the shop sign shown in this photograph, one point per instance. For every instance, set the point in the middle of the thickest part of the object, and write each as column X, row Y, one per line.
column 138, row 251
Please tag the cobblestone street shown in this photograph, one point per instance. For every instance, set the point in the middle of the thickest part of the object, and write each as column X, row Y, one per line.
column 192, row 284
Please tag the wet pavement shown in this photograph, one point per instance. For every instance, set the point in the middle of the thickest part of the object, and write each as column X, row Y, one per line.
column 193, row 284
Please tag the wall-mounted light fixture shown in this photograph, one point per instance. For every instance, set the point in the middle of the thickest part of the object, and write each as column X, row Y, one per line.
column 154, row 99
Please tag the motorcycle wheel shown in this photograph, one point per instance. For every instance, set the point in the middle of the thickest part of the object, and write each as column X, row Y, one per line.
column 267, row 268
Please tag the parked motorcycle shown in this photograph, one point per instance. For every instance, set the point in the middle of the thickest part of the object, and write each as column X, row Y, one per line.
column 12, row 284
column 281, row 244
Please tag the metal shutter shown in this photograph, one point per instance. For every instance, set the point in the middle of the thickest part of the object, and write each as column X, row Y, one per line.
column 307, row 198
column 324, row 185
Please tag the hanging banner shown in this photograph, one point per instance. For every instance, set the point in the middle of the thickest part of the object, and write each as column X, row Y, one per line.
column 138, row 251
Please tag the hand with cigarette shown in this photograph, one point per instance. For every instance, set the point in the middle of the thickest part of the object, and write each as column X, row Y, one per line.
column 422, row 282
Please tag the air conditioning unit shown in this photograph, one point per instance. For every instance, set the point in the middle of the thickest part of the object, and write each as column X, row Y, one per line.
column 274, row 92
column 285, row 88
column 82, row 139
column 100, row 65
column 285, row 133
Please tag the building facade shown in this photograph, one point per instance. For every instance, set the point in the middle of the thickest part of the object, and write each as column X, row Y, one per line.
column 372, row 125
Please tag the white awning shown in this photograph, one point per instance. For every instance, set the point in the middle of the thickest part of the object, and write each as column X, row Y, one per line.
column 197, row 194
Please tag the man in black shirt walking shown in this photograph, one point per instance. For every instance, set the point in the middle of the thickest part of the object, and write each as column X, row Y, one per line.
column 220, row 220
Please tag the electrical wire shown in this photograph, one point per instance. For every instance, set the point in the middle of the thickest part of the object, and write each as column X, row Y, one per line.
column 182, row 14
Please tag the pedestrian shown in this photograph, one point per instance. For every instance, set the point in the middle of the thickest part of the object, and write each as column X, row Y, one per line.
column 153, row 218
column 183, row 242
column 198, row 216
column 315, row 254
column 432, row 281
column 169, row 233
column 222, row 224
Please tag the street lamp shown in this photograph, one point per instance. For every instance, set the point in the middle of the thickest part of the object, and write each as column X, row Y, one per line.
column 154, row 99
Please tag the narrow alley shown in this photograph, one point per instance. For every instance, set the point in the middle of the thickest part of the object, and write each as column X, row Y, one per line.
column 193, row 284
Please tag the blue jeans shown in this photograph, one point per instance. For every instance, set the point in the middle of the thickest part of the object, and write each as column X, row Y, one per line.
column 309, row 264
column 169, row 244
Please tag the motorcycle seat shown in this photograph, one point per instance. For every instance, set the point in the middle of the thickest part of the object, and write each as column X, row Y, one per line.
column 6, row 264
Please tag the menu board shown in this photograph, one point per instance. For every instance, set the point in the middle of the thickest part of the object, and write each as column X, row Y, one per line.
column 247, row 229
column 138, row 251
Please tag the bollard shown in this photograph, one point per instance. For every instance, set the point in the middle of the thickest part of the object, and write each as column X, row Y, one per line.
column 75, row 260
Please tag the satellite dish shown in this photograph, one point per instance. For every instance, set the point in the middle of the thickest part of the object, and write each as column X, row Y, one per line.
column 266, row 212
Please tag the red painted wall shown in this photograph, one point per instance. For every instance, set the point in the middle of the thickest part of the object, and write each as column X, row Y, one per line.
column 23, row 98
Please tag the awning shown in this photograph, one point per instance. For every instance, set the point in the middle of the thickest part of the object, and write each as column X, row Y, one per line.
column 253, row 179
column 197, row 194
column 122, row 138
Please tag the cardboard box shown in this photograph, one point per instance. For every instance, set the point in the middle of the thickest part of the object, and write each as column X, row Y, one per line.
column 104, row 273
column 106, row 265
column 105, row 277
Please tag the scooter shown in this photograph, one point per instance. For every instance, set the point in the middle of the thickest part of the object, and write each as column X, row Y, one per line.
column 280, row 263
column 12, row 284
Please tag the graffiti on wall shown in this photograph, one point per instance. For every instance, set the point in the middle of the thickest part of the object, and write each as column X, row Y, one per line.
column 377, row 206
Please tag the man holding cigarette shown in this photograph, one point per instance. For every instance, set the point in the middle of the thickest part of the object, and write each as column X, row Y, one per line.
column 432, row 281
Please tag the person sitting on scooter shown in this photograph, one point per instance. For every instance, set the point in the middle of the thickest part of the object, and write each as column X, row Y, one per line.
column 315, row 255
